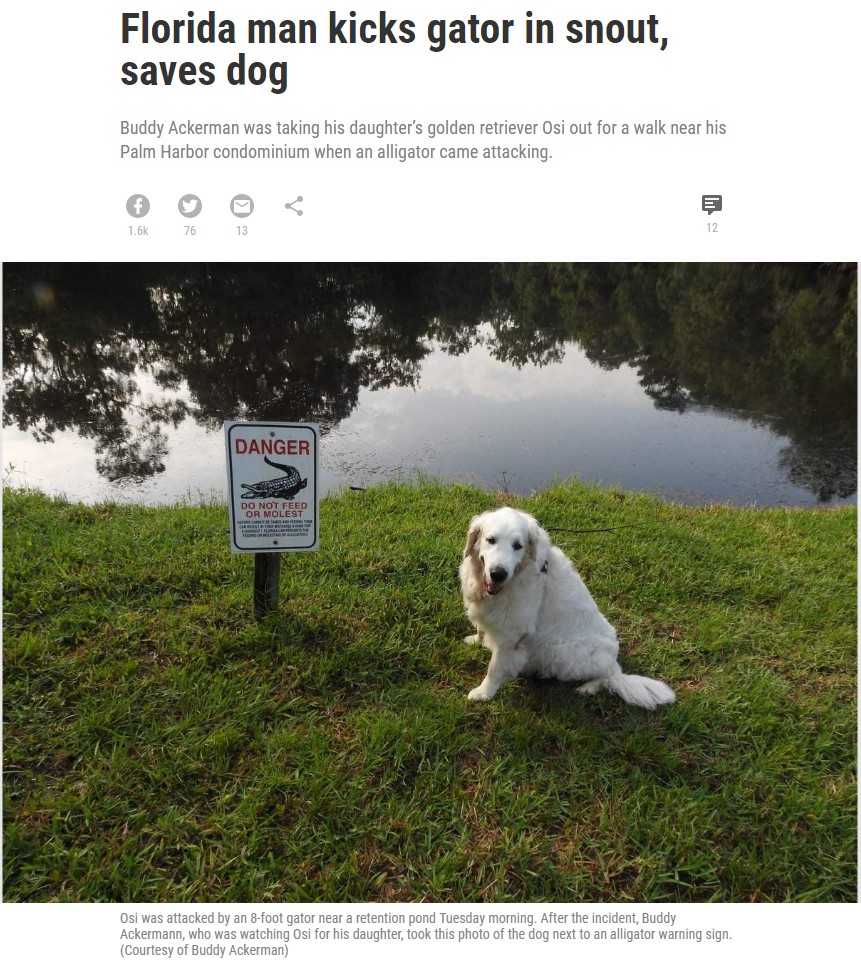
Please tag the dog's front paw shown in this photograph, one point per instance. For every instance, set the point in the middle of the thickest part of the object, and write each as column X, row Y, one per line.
column 472, row 640
column 479, row 693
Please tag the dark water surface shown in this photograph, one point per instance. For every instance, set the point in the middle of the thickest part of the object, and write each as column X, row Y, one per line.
column 701, row 383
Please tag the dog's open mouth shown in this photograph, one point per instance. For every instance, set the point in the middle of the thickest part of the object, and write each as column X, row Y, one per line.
column 492, row 588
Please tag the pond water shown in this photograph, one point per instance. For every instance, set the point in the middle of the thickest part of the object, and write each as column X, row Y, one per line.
column 702, row 384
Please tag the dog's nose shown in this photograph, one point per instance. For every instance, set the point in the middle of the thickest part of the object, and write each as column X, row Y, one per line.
column 498, row 574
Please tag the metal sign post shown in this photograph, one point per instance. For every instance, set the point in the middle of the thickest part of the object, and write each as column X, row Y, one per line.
column 273, row 500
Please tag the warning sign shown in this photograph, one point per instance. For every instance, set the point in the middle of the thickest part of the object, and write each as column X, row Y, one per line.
column 272, row 486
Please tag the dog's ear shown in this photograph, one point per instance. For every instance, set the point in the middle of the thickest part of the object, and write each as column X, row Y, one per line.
column 538, row 542
column 473, row 535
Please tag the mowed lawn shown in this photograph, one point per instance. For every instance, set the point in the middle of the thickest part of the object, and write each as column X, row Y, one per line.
column 161, row 746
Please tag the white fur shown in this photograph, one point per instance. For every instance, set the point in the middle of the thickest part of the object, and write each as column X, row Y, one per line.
column 539, row 619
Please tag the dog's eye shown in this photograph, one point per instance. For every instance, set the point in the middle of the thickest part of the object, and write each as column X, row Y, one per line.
column 517, row 546
column 491, row 540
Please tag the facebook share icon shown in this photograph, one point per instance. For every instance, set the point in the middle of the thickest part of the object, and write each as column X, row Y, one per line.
column 137, row 206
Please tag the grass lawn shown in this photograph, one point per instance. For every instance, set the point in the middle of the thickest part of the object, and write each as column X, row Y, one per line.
column 161, row 746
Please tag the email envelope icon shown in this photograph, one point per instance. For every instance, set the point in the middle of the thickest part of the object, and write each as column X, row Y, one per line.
column 241, row 205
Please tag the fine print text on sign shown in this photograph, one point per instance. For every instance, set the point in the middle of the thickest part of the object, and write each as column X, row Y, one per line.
column 272, row 492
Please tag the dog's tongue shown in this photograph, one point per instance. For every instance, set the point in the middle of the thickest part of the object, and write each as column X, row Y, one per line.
column 491, row 588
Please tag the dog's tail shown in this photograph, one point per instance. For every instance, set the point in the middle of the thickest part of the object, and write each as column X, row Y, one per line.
column 640, row 690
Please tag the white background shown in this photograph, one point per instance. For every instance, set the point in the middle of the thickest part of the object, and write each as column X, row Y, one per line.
column 89, row 936
column 782, row 76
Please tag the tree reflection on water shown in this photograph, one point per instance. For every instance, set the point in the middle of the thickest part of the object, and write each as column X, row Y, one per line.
column 105, row 349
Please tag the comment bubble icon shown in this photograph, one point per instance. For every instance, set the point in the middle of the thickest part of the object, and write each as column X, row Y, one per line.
column 712, row 203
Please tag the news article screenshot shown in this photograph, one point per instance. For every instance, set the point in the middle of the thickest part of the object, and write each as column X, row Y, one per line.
column 429, row 483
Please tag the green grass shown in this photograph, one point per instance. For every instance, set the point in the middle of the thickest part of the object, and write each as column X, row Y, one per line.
column 161, row 746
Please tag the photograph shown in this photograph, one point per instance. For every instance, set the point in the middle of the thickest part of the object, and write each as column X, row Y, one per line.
column 429, row 582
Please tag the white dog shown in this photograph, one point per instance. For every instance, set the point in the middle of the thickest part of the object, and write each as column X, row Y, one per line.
column 535, row 615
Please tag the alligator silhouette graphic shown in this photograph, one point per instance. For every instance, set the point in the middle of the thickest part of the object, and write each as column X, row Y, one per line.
column 287, row 487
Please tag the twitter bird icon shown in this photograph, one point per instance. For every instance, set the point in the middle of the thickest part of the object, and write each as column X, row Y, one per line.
column 190, row 206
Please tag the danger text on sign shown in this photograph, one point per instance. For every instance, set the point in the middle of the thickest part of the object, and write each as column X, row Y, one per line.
column 278, row 445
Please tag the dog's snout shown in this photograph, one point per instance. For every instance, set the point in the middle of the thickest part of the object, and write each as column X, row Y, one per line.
column 498, row 574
